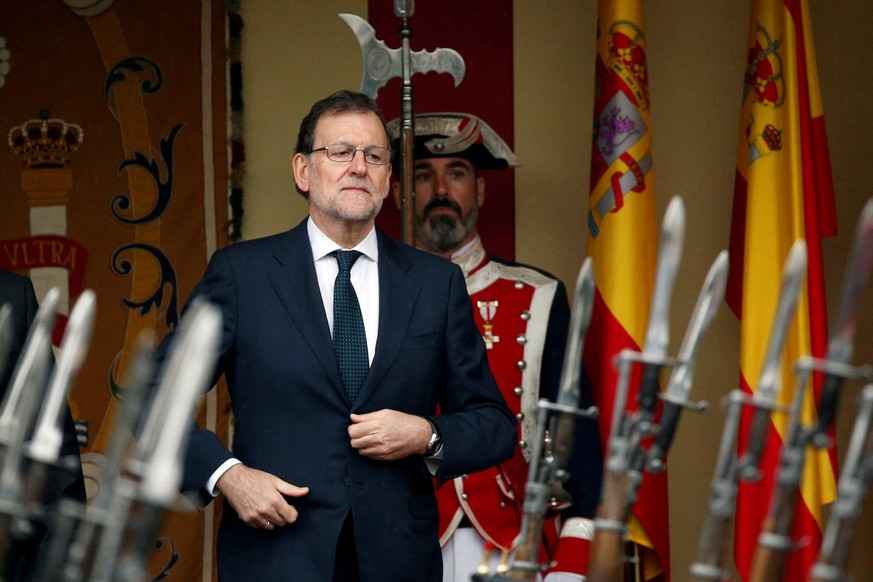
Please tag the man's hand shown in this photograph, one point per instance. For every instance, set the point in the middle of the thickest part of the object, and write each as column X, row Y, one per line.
column 257, row 497
column 388, row 435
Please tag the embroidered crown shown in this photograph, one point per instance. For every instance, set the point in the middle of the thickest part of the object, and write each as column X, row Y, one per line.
column 45, row 142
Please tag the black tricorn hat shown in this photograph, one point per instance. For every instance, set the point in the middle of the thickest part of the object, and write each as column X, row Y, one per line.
column 456, row 135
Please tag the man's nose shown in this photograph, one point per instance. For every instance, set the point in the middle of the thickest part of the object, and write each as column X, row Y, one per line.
column 358, row 164
column 440, row 190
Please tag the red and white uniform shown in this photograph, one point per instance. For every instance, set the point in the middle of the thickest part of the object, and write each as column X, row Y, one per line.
column 513, row 306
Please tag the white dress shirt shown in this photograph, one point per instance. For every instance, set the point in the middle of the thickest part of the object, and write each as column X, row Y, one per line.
column 364, row 277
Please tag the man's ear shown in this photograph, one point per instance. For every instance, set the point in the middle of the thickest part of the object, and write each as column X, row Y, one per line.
column 396, row 191
column 480, row 191
column 301, row 166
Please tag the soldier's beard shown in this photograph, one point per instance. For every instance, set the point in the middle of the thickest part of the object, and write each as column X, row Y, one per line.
column 443, row 233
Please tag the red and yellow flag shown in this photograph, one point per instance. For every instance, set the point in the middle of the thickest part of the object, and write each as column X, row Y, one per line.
column 783, row 192
column 622, row 241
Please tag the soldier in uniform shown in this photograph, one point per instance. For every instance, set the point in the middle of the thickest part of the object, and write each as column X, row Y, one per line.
column 523, row 314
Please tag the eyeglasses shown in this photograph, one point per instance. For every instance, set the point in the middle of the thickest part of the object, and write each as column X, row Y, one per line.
column 373, row 155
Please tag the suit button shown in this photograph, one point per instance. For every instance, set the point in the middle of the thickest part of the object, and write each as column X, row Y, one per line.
column 347, row 481
column 518, row 391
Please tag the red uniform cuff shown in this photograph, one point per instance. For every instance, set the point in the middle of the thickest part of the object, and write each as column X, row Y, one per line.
column 574, row 547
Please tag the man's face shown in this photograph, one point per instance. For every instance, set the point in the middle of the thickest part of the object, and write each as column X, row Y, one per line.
column 448, row 194
column 344, row 191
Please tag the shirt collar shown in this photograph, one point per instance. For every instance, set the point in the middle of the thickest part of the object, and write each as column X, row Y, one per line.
column 322, row 245
column 469, row 245
column 471, row 257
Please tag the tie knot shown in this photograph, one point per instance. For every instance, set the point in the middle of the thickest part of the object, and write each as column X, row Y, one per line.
column 345, row 259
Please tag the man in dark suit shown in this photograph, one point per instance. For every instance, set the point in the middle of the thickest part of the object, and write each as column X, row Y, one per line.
column 22, row 563
column 325, row 485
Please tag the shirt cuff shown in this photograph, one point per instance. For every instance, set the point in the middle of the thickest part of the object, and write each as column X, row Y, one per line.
column 221, row 470
column 434, row 460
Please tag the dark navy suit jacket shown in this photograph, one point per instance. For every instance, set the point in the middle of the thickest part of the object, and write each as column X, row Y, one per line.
column 292, row 414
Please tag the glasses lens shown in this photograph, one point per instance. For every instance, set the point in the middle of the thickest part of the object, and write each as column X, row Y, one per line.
column 377, row 156
column 374, row 155
column 340, row 153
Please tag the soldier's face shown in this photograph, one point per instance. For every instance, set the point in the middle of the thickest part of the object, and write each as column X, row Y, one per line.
column 448, row 194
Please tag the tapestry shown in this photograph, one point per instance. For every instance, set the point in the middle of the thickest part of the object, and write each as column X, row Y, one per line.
column 481, row 32
column 115, row 178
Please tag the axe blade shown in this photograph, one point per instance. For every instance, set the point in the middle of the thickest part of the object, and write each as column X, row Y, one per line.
column 382, row 64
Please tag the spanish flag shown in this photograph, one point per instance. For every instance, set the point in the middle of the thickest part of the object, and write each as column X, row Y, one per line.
column 783, row 192
column 622, row 241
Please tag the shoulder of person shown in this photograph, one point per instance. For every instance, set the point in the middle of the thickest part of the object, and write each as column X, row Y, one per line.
column 265, row 247
column 264, row 242
column 417, row 257
column 12, row 278
column 523, row 267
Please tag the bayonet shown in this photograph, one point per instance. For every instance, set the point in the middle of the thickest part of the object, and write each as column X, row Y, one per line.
column 770, row 380
column 71, row 552
column 625, row 458
column 679, row 386
column 713, row 542
column 20, row 407
column 729, row 468
column 658, row 331
column 841, row 344
column 855, row 479
column 48, row 435
column 774, row 542
column 547, row 473
column 155, row 464
column 45, row 446
column 5, row 335
column 31, row 372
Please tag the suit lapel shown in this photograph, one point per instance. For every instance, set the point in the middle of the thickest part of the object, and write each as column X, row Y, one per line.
column 397, row 296
column 296, row 284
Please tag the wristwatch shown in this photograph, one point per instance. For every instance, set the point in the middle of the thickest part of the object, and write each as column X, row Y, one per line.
column 434, row 441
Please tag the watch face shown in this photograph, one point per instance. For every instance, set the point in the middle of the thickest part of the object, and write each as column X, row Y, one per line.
column 434, row 440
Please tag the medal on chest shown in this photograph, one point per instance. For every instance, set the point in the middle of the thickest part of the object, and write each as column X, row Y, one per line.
column 488, row 309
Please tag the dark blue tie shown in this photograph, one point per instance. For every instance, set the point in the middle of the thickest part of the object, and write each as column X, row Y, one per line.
column 349, row 339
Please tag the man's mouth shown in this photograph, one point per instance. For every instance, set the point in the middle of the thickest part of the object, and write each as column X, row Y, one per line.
column 442, row 207
column 362, row 188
